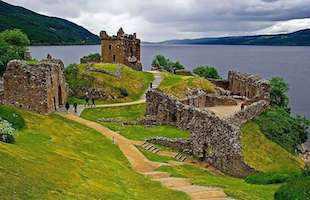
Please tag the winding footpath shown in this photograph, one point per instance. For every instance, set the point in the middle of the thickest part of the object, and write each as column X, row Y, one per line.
column 144, row 166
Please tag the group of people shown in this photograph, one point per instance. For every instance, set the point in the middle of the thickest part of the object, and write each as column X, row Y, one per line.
column 87, row 103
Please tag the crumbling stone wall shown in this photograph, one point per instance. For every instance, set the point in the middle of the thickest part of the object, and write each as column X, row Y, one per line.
column 40, row 87
column 212, row 139
column 250, row 86
column 121, row 48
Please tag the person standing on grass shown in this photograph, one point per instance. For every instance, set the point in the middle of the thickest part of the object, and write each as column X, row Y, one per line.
column 93, row 102
column 75, row 107
column 67, row 106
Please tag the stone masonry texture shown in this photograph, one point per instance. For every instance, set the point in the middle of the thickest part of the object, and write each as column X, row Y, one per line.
column 122, row 48
column 39, row 87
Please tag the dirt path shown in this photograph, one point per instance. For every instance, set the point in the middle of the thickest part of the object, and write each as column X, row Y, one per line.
column 156, row 83
column 144, row 166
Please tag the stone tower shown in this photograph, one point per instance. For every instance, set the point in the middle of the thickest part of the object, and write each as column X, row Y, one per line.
column 37, row 87
column 121, row 48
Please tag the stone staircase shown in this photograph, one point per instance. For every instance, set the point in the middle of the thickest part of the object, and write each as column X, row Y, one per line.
column 150, row 147
column 180, row 157
column 184, row 185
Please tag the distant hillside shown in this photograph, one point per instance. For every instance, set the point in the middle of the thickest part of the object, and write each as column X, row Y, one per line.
column 299, row 38
column 44, row 30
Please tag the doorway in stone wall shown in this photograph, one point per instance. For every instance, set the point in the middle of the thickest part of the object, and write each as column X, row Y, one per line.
column 59, row 96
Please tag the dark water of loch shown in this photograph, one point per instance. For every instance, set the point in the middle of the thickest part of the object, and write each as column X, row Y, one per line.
column 291, row 63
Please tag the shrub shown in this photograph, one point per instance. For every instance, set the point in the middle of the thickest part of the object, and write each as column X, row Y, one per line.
column 207, row 72
column 298, row 189
column 280, row 127
column 91, row 58
column 267, row 178
column 13, row 45
column 278, row 94
column 124, row 92
column 164, row 63
column 6, row 131
column 9, row 114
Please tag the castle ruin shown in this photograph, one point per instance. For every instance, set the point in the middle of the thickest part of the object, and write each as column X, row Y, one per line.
column 37, row 87
column 214, row 139
column 121, row 48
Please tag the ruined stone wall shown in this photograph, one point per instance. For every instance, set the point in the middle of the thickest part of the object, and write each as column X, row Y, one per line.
column 248, row 113
column 248, row 85
column 40, row 87
column 200, row 99
column 180, row 145
column 220, row 83
column 212, row 139
column 124, row 49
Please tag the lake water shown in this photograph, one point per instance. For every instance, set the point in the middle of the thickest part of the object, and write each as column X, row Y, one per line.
column 291, row 63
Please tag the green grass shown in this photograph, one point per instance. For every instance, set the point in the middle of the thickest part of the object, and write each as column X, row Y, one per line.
column 155, row 157
column 135, row 82
column 233, row 187
column 265, row 155
column 178, row 85
column 54, row 158
column 134, row 132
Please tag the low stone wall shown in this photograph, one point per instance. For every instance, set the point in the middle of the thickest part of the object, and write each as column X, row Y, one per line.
column 220, row 83
column 248, row 113
column 212, row 139
column 175, row 143
column 202, row 100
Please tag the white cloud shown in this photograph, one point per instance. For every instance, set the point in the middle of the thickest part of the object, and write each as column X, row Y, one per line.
column 156, row 20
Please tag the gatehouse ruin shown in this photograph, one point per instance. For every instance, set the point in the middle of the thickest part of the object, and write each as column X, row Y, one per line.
column 121, row 48
column 214, row 139
column 37, row 87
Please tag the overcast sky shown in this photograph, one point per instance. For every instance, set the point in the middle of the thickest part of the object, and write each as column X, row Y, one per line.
column 157, row 20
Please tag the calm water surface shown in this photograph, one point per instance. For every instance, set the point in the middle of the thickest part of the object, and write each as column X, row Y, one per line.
column 291, row 63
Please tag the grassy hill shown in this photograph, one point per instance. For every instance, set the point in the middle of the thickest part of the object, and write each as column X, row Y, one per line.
column 178, row 86
column 134, row 82
column 264, row 155
column 44, row 30
column 298, row 38
column 54, row 158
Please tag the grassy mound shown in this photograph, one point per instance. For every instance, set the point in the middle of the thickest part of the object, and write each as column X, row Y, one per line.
column 265, row 155
column 54, row 158
column 134, row 132
column 133, row 82
column 178, row 86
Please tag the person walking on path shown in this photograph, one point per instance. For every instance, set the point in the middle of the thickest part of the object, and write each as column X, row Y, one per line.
column 242, row 105
column 67, row 106
column 75, row 107
column 86, row 100
column 93, row 102
column 151, row 85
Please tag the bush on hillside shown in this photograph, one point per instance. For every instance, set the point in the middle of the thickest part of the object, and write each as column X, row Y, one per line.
column 91, row 58
column 278, row 94
column 298, row 189
column 166, row 64
column 13, row 45
column 207, row 72
column 15, row 119
column 286, row 130
column 6, row 131
column 267, row 178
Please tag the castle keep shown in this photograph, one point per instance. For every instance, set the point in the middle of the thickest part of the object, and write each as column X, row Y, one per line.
column 39, row 87
column 122, row 48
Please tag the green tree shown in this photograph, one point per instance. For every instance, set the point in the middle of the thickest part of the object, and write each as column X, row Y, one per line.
column 278, row 94
column 207, row 72
column 13, row 45
column 166, row 64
